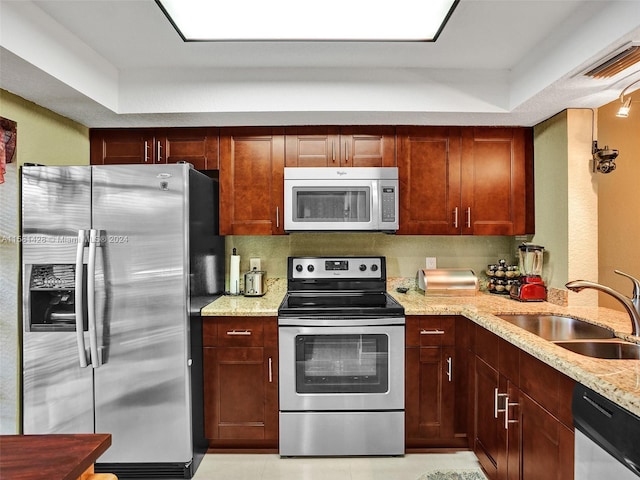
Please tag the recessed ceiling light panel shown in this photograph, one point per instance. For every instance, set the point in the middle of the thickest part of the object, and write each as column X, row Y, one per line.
column 295, row 20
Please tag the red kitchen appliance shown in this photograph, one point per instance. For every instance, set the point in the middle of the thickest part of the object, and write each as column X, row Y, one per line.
column 530, row 286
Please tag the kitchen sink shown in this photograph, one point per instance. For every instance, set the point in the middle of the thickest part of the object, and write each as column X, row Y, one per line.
column 609, row 349
column 557, row 328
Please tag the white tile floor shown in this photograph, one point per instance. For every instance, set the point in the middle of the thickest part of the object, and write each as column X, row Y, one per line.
column 272, row 467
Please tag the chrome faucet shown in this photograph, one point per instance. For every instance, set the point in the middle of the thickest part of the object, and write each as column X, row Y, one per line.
column 631, row 305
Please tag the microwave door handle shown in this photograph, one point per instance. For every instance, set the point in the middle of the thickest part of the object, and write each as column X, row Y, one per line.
column 91, row 298
column 376, row 191
column 79, row 300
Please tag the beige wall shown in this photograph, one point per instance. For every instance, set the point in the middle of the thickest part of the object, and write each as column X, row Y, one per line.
column 43, row 137
column 566, row 200
column 619, row 200
column 551, row 180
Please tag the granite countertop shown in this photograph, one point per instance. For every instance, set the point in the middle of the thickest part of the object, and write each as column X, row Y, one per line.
column 618, row 380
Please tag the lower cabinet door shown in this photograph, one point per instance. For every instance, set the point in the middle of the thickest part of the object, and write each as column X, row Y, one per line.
column 488, row 443
column 239, row 396
column 430, row 396
column 546, row 444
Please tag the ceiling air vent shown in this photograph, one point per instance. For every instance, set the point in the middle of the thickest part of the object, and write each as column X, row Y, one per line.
column 621, row 60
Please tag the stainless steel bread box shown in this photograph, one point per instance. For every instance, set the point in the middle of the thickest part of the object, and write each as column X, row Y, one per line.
column 448, row 281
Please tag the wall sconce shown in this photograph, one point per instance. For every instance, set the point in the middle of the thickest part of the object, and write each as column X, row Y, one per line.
column 623, row 112
column 604, row 159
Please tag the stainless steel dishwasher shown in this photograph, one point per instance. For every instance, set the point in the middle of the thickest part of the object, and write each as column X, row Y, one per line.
column 606, row 438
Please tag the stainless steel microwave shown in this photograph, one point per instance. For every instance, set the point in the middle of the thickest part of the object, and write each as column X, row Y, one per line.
column 341, row 199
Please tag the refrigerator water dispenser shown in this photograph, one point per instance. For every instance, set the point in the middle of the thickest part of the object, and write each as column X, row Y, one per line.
column 52, row 298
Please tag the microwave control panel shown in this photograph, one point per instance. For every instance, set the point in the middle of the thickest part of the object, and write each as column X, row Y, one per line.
column 388, row 203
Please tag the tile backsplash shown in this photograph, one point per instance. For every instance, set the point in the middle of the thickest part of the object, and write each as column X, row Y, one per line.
column 405, row 254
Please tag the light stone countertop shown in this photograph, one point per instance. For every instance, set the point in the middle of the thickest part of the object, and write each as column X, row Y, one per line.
column 618, row 380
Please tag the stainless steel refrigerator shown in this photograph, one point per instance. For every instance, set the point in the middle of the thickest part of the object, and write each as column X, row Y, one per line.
column 116, row 262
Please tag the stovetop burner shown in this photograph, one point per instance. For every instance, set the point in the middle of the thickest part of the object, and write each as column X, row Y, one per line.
column 338, row 286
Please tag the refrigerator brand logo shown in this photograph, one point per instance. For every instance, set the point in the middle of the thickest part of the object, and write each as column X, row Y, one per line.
column 164, row 185
column 341, row 173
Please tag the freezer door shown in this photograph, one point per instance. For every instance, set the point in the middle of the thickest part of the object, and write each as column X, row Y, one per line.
column 142, row 387
column 57, row 391
column 58, row 394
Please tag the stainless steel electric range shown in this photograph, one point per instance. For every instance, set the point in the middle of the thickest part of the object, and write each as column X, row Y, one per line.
column 341, row 357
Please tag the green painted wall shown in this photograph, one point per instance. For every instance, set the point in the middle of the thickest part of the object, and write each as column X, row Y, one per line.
column 47, row 138
column 43, row 136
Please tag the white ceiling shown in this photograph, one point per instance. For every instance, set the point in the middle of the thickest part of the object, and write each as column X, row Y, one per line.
column 504, row 62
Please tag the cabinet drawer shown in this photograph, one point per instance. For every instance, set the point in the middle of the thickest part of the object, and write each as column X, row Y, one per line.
column 240, row 332
column 436, row 331
column 209, row 332
column 428, row 331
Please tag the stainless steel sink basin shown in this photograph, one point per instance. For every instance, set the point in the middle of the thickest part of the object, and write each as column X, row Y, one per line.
column 609, row 349
column 558, row 328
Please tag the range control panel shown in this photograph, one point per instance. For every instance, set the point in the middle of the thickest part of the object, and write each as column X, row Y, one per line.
column 337, row 267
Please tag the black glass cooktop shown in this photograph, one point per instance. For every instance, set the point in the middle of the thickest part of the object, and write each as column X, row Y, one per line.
column 339, row 303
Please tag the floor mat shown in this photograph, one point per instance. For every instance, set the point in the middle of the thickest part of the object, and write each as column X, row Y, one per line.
column 454, row 475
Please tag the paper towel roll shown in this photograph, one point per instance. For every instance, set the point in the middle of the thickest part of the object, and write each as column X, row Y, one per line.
column 234, row 274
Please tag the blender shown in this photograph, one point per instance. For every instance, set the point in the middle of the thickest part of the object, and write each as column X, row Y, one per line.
column 530, row 286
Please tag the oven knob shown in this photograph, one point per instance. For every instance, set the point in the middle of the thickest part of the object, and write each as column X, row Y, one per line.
column 374, row 268
column 311, row 268
column 298, row 268
column 363, row 267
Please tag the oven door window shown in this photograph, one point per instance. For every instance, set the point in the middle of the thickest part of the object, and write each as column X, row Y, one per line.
column 318, row 204
column 349, row 363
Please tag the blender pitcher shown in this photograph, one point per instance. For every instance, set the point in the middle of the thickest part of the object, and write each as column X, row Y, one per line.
column 530, row 287
column 530, row 260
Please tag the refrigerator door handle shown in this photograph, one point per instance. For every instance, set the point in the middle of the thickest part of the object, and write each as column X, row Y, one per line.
column 96, row 361
column 79, row 300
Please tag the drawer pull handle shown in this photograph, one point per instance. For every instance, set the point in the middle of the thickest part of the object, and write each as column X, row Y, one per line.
column 431, row 332
column 242, row 332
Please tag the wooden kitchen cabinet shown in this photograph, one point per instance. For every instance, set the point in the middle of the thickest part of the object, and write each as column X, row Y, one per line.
column 465, row 180
column 251, row 181
column 197, row 146
column 522, row 410
column 241, row 382
column 340, row 146
column 432, row 391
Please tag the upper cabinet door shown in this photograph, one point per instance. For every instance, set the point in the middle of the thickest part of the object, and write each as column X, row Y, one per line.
column 340, row 147
column 312, row 147
column 429, row 171
column 367, row 147
column 197, row 146
column 122, row 146
column 495, row 162
column 465, row 180
column 251, row 181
